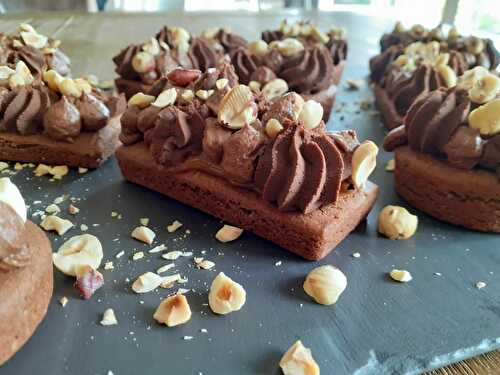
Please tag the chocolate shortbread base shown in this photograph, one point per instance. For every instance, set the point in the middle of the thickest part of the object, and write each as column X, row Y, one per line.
column 390, row 116
column 89, row 150
column 25, row 294
column 311, row 236
column 470, row 198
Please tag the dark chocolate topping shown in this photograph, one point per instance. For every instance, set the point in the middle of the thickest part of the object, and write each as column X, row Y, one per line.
column 14, row 252
column 263, row 75
column 338, row 49
column 380, row 63
column 230, row 41
column 309, row 71
column 245, row 64
column 94, row 113
column 269, row 36
column 301, row 170
column 62, row 121
column 176, row 136
column 203, row 55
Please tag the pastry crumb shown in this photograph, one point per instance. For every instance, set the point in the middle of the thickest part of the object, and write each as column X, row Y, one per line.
column 82, row 170
column 84, row 228
column 120, row 254
column 356, row 255
column 187, row 338
column 73, row 210
column 109, row 266
column 228, row 233
column 144, row 221
column 278, row 263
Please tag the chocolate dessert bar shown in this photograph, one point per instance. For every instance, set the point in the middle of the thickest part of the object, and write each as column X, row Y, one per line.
column 26, row 279
column 447, row 152
column 140, row 65
column 266, row 165
column 55, row 120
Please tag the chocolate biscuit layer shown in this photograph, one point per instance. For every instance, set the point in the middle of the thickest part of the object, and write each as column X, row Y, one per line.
column 311, row 236
column 25, row 294
column 470, row 198
column 89, row 150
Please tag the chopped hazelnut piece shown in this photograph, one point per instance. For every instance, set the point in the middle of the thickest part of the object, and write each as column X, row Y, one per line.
column 172, row 255
column 63, row 301
column 226, row 295
column 144, row 234
column 52, row 209
column 109, row 318
column 3, row 165
column 298, row 360
column 390, row 166
column 78, row 251
column 147, row 282
column 109, row 266
column 82, row 170
column 138, row 255
column 169, row 281
column 41, row 170
column 73, row 210
column 157, row 249
column 174, row 226
column 228, row 233
column 165, row 268
column 480, row 284
column 88, row 281
column 144, row 221
column 402, row 276
column 57, row 224
column 173, row 311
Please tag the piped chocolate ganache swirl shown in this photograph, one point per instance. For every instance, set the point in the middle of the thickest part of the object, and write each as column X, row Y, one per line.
column 276, row 147
column 459, row 124
column 37, row 51
column 59, row 107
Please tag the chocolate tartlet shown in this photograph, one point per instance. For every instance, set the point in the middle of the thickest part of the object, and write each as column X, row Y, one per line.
column 26, row 278
column 476, row 51
column 402, row 75
column 37, row 51
column 140, row 65
column 268, row 166
column 447, row 152
column 56, row 120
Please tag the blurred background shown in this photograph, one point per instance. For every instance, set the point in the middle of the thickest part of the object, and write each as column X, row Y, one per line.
column 481, row 17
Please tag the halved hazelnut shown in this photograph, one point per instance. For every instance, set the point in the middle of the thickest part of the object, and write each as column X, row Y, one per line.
column 467, row 80
column 325, row 284
column 221, row 83
column 173, row 310
column 143, row 62
column 311, row 114
column 144, row 234
column 33, row 39
column 141, row 100
column 484, row 89
column 397, row 223
column 288, row 46
column 78, row 251
column 259, row 48
column 237, row 108
column 166, row 98
column 225, row 295
column 298, row 360
column 364, row 161
column 403, row 276
column 228, row 233
column 486, row 118
column 275, row 88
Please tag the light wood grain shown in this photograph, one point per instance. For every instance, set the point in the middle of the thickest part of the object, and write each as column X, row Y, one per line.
column 92, row 40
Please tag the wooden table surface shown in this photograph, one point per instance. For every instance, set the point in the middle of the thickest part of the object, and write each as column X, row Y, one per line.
column 92, row 40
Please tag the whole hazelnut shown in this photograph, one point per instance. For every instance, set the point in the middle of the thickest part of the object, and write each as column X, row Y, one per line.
column 397, row 223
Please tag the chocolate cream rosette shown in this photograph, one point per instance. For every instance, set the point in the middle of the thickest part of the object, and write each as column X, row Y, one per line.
column 448, row 152
column 265, row 164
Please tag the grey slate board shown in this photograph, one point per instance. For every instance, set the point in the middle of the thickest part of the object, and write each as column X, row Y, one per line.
column 377, row 327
